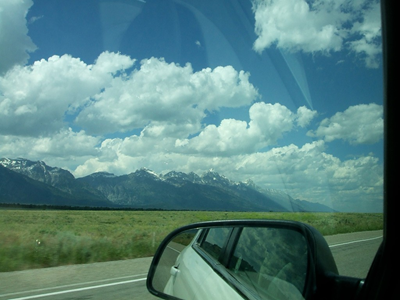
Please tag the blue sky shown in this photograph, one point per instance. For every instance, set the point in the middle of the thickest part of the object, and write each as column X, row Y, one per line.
column 286, row 93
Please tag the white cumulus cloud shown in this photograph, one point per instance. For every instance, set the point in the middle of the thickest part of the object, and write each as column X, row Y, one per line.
column 319, row 26
column 34, row 99
column 304, row 116
column 15, row 44
column 268, row 123
column 294, row 25
column 165, row 94
column 368, row 46
column 63, row 147
column 359, row 124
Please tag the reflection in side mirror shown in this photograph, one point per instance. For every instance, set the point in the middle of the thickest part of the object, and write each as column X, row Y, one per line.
column 235, row 260
column 166, row 269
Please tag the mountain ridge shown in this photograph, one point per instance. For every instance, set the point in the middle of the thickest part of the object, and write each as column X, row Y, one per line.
column 20, row 189
column 144, row 188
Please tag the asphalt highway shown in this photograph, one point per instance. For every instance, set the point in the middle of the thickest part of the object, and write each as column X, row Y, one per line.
column 126, row 279
column 355, row 252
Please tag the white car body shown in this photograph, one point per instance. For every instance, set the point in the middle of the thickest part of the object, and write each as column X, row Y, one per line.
column 192, row 278
column 184, row 283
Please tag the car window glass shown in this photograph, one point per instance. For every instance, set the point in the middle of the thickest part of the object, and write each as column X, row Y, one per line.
column 182, row 111
column 271, row 262
column 215, row 240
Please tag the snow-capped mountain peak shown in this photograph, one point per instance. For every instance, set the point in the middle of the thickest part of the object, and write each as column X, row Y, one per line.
column 144, row 172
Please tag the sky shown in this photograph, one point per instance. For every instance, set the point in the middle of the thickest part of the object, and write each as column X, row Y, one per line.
column 286, row 93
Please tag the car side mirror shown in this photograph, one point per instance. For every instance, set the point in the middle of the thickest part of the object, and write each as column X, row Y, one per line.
column 244, row 259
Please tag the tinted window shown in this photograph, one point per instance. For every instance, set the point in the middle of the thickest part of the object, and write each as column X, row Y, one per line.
column 215, row 240
column 271, row 261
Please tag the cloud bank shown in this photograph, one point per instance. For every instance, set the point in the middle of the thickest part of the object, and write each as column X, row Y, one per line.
column 319, row 27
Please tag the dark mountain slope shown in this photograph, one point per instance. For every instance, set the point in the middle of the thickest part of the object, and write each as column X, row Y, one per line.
column 18, row 188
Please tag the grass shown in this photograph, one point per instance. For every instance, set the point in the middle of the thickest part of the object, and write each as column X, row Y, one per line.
column 47, row 238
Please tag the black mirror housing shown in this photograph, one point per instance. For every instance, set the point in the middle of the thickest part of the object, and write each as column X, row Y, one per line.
column 252, row 259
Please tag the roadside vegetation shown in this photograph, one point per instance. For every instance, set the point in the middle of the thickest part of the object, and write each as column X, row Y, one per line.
column 46, row 238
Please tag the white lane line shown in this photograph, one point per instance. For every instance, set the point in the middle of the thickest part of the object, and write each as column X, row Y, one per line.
column 76, row 284
column 173, row 249
column 71, row 285
column 352, row 242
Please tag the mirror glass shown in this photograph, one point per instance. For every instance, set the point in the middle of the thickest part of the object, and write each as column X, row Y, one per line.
column 233, row 263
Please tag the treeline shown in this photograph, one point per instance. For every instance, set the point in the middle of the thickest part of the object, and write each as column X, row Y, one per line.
column 66, row 207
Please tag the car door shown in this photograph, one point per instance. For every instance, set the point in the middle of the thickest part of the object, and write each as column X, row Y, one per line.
column 194, row 271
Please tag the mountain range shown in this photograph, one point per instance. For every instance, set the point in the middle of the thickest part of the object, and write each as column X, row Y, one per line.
column 33, row 182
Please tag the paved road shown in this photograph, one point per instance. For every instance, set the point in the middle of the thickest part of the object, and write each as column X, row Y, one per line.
column 109, row 280
column 114, row 280
column 355, row 252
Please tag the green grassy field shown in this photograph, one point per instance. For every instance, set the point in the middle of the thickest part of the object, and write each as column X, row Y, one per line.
column 46, row 238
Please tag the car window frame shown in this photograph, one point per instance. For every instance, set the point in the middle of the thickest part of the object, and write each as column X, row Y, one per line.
column 202, row 239
column 378, row 285
column 218, row 268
